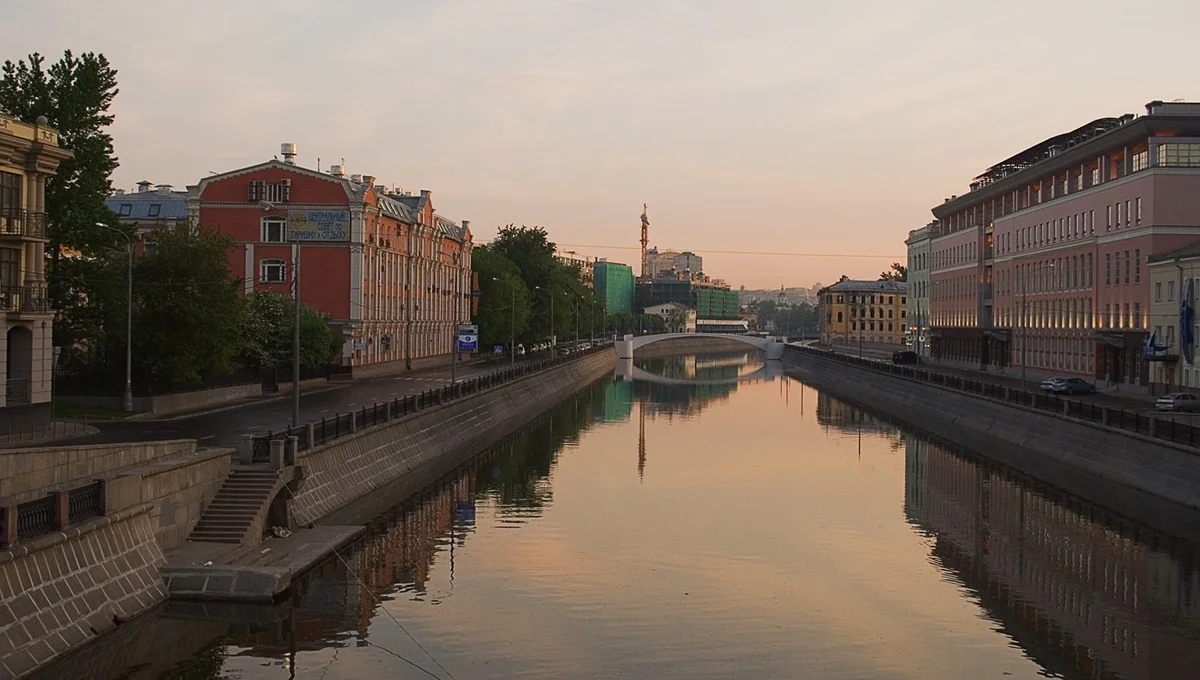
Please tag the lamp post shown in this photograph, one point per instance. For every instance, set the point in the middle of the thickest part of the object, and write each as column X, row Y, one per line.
column 1025, row 319
column 296, row 334
column 512, row 338
column 128, row 398
column 862, row 324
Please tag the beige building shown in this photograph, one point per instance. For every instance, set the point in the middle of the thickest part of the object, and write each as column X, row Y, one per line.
column 1174, row 279
column 679, row 318
column 28, row 155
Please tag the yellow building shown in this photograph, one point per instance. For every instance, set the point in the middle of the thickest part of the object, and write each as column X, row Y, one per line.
column 870, row 311
column 28, row 155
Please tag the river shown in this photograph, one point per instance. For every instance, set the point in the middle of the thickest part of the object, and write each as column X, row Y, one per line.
column 709, row 518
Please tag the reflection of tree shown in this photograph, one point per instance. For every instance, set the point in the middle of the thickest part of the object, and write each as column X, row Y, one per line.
column 1080, row 590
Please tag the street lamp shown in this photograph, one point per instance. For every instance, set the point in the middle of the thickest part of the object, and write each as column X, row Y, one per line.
column 128, row 399
column 512, row 340
column 550, row 291
column 1025, row 318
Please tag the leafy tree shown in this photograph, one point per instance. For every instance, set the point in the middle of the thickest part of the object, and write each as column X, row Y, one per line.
column 268, row 331
column 500, row 285
column 898, row 272
column 74, row 94
column 186, row 309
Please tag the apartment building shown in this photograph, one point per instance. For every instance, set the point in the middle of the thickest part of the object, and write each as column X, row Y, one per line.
column 1170, row 351
column 29, row 154
column 382, row 265
column 148, row 208
column 919, row 244
column 873, row 312
column 1042, row 263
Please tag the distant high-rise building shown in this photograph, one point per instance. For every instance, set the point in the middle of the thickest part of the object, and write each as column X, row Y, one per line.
column 616, row 283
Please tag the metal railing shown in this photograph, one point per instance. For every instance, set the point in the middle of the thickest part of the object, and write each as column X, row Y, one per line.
column 24, row 299
column 1130, row 421
column 16, row 392
column 23, row 223
column 346, row 423
column 85, row 502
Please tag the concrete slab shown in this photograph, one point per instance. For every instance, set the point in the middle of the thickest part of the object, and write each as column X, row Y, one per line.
column 260, row 573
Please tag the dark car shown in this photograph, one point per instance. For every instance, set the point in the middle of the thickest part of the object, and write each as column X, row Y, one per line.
column 1073, row 386
column 906, row 357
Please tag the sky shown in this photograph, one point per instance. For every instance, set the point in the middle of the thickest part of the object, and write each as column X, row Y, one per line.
column 816, row 135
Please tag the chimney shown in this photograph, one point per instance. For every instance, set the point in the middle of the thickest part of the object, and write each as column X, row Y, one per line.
column 164, row 189
column 118, row 192
column 369, row 180
column 1153, row 106
column 357, row 179
column 144, row 186
column 424, row 193
column 288, row 151
column 336, row 170
column 466, row 224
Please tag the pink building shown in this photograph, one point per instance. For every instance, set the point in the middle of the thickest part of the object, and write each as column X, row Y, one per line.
column 1043, row 263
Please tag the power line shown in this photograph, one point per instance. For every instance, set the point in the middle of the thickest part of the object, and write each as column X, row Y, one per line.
column 747, row 252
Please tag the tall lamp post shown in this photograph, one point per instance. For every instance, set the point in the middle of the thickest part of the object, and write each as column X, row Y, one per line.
column 1025, row 318
column 512, row 338
column 128, row 398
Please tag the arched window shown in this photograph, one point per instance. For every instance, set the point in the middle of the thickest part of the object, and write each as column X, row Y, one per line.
column 272, row 271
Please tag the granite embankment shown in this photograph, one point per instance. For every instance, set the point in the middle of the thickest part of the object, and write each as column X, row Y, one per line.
column 1147, row 479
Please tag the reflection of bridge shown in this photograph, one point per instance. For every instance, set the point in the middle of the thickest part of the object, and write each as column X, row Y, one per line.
column 770, row 347
column 626, row 370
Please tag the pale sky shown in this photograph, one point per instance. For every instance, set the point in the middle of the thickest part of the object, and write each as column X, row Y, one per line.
column 752, row 125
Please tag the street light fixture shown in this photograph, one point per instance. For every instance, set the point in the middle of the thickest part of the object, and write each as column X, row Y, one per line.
column 127, row 404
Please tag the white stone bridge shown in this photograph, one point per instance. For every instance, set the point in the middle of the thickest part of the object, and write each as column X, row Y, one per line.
column 771, row 347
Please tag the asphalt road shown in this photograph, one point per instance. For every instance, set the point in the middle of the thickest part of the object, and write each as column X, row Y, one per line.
column 230, row 427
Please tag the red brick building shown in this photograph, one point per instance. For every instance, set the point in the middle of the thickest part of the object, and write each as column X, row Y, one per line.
column 384, row 267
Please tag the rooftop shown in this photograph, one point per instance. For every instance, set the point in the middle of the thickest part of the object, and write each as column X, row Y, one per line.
column 161, row 203
column 1187, row 252
column 853, row 286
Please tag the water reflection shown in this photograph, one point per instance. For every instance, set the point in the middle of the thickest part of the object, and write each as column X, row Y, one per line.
column 548, row 557
column 1084, row 593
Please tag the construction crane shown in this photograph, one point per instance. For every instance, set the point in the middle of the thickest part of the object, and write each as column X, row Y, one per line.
column 645, row 242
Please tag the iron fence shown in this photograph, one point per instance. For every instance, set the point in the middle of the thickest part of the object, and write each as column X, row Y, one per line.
column 331, row 428
column 35, row 518
column 85, row 502
column 1130, row 421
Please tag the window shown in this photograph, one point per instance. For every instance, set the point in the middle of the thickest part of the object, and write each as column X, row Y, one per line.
column 1126, row 318
column 155, row 209
column 1158, row 291
column 10, row 192
column 1088, row 283
column 1108, row 218
column 1170, row 336
column 1179, row 155
column 1128, row 216
column 1126, row 266
column 10, row 267
column 1138, row 207
column 1108, row 269
column 272, row 271
column 1137, row 265
column 274, row 229
column 1091, row 223
column 1137, row 315
column 839, row 317
column 1118, row 215
column 1095, row 176
column 1170, row 291
column 1108, row 316
column 149, row 245
column 126, row 210
column 1141, row 160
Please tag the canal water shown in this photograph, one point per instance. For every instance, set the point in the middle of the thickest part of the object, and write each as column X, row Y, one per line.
column 707, row 517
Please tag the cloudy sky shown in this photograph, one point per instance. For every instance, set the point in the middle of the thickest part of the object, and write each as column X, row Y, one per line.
column 818, row 131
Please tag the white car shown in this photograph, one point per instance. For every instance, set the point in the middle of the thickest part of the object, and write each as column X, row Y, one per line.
column 1179, row 401
column 1049, row 384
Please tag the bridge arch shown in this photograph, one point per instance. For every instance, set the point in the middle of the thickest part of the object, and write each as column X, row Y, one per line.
column 772, row 348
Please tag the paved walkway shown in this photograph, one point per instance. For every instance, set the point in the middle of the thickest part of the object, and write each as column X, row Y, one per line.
column 257, row 573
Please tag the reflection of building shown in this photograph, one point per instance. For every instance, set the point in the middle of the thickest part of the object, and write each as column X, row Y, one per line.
column 677, row 317
column 618, row 402
column 840, row 415
column 614, row 281
column 1076, row 592
column 866, row 311
column 29, row 154
column 382, row 265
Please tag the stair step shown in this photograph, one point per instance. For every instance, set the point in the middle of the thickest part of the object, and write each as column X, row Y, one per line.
column 249, row 508
column 217, row 533
column 214, row 539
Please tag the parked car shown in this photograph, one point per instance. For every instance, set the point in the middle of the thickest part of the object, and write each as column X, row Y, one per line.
column 1073, row 386
column 905, row 357
column 1050, row 383
column 1179, row 401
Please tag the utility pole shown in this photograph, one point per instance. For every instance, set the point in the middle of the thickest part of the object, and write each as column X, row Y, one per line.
column 454, row 329
column 296, row 335
column 862, row 315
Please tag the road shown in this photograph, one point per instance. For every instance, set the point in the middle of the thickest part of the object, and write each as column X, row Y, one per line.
column 230, row 427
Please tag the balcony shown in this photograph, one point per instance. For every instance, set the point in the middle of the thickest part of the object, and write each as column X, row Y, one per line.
column 22, row 223
column 24, row 299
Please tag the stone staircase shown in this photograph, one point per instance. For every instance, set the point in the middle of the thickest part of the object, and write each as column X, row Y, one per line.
column 238, row 508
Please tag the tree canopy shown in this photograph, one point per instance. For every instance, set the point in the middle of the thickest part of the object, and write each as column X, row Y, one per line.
column 500, row 287
column 268, row 330
column 898, row 272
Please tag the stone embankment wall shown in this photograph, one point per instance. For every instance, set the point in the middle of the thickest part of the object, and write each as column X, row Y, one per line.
column 1147, row 479
column 60, row 590
column 29, row 473
column 343, row 471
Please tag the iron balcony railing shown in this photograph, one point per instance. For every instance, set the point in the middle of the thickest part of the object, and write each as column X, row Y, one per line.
column 22, row 223
column 24, row 299
column 16, row 392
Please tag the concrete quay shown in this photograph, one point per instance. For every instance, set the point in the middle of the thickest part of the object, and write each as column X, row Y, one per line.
column 1152, row 481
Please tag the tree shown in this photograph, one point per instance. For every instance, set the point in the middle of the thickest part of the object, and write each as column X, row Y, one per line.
column 186, row 310
column 500, row 284
column 74, row 94
column 898, row 272
column 268, row 331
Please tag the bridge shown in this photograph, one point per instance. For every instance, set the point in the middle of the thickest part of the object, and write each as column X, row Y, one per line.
column 772, row 348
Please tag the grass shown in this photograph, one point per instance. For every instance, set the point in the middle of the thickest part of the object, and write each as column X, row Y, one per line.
column 97, row 412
